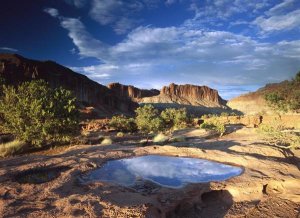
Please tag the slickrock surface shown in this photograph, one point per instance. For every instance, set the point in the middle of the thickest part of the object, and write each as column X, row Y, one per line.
column 269, row 186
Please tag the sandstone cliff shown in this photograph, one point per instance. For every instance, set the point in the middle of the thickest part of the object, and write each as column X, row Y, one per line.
column 187, row 95
column 132, row 92
column 16, row 69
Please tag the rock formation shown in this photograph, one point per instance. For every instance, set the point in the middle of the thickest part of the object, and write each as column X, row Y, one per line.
column 187, row 95
column 16, row 69
column 132, row 92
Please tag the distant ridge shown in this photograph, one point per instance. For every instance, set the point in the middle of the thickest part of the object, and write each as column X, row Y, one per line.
column 111, row 99
column 132, row 92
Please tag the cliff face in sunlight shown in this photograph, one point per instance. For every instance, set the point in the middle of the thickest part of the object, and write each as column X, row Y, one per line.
column 16, row 69
column 132, row 92
column 188, row 95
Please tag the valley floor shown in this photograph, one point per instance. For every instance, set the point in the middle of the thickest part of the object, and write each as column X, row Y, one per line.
column 269, row 186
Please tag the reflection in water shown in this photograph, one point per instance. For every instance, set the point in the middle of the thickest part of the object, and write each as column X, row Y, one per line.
column 173, row 172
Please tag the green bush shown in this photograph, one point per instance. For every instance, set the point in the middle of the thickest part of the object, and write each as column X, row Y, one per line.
column 214, row 125
column 287, row 97
column 148, row 119
column 175, row 118
column 224, row 114
column 123, row 123
column 276, row 134
column 36, row 114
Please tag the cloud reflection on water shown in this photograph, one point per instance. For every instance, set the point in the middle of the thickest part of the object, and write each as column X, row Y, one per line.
column 167, row 171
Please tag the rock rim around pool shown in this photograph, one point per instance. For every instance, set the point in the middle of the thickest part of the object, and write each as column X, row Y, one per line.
column 163, row 171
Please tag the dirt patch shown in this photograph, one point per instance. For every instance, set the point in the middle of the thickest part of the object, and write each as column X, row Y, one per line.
column 39, row 175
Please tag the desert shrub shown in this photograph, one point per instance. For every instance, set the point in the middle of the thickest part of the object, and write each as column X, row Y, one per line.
column 175, row 118
column 148, row 119
column 207, row 126
column 36, row 114
column 224, row 114
column 11, row 148
column 287, row 97
column 214, row 125
column 276, row 135
column 160, row 137
column 106, row 141
column 123, row 123
column 275, row 100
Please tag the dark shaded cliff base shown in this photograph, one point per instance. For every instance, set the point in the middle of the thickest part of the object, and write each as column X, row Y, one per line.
column 16, row 69
column 269, row 186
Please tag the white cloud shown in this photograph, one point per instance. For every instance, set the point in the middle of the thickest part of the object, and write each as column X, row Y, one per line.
column 123, row 25
column 279, row 22
column 188, row 53
column 9, row 49
column 76, row 3
column 215, row 11
column 116, row 13
column 87, row 45
column 180, row 54
column 52, row 11
column 281, row 7
column 183, row 55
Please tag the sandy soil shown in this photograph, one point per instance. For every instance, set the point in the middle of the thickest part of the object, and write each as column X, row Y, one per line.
column 269, row 186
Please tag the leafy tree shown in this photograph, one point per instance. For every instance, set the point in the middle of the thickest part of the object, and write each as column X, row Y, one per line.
column 148, row 119
column 123, row 123
column 175, row 118
column 36, row 114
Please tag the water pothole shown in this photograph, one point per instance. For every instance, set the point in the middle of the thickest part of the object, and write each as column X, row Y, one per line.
column 166, row 171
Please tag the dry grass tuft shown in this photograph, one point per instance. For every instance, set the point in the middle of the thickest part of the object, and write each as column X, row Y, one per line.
column 10, row 148
column 106, row 141
column 160, row 138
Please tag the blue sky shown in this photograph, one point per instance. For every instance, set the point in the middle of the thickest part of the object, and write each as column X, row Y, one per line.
column 234, row 46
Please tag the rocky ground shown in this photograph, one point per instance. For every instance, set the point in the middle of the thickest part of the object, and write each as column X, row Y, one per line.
column 269, row 186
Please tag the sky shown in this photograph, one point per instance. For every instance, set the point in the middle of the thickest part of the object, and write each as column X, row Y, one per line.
column 234, row 46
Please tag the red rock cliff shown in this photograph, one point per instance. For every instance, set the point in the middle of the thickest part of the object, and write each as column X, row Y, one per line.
column 16, row 69
column 131, row 92
column 188, row 95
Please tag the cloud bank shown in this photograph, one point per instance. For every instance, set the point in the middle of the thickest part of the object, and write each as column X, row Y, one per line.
column 190, row 53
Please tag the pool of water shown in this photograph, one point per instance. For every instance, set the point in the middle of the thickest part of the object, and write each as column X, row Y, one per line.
column 167, row 171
